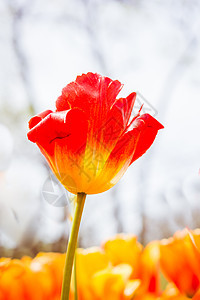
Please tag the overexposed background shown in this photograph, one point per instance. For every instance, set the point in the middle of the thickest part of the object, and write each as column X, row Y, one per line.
column 152, row 47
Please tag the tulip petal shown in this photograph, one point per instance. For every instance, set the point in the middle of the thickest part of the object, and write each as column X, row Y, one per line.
column 90, row 92
column 180, row 262
column 88, row 262
column 36, row 119
column 124, row 248
column 94, row 94
column 56, row 125
column 130, row 143
column 62, row 136
column 149, row 268
column 147, row 135
column 108, row 285
column 123, row 107
column 128, row 148
column 117, row 121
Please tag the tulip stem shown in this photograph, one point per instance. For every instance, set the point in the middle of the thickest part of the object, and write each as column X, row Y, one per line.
column 72, row 246
column 75, row 280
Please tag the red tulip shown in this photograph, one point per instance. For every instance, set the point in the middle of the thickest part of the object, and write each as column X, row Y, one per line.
column 89, row 141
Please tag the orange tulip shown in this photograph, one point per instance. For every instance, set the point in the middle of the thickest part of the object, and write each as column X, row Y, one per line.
column 172, row 293
column 32, row 279
column 180, row 260
column 88, row 262
column 197, row 295
column 98, row 279
column 51, row 264
column 150, row 270
column 113, row 283
column 124, row 249
column 89, row 142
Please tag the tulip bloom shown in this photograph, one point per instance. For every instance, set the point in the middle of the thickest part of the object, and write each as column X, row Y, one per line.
column 90, row 141
column 32, row 279
column 98, row 279
column 125, row 249
column 149, row 269
column 180, row 260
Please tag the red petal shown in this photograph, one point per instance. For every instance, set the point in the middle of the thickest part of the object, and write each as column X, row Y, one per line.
column 57, row 125
column 120, row 158
column 133, row 143
column 62, row 137
column 95, row 95
column 147, row 135
column 62, row 103
column 88, row 91
column 36, row 119
column 121, row 110
column 115, row 124
column 126, row 145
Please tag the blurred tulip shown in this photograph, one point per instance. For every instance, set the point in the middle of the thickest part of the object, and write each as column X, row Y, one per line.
column 27, row 279
column 172, row 292
column 149, row 269
column 180, row 260
column 124, row 248
column 88, row 262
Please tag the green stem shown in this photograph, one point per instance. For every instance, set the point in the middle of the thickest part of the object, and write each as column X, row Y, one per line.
column 72, row 246
column 75, row 280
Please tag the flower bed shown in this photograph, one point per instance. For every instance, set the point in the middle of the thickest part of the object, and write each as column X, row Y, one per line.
column 120, row 269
